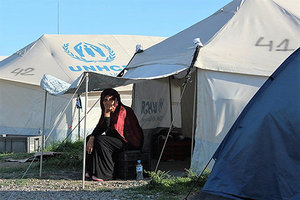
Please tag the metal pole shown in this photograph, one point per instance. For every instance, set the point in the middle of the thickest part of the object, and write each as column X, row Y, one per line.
column 84, row 142
column 43, row 133
column 194, row 112
column 171, row 99
column 78, row 120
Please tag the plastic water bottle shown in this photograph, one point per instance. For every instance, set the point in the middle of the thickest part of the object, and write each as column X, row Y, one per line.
column 139, row 171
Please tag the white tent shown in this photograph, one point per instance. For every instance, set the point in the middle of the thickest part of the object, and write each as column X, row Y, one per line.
column 2, row 57
column 243, row 42
column 65, row 57
column 259, row 156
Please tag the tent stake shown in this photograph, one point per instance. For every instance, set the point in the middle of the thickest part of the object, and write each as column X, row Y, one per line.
column 43, row 133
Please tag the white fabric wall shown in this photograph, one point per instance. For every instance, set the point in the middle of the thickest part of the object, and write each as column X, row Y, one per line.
column 152, row 103
column 221, row 98
column 22, row 108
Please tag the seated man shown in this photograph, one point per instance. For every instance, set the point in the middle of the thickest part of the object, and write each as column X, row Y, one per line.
column 117, row 129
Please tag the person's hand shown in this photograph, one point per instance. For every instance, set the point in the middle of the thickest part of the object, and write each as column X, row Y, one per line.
column 109, row 105
column 109, row 108
column 90, row 145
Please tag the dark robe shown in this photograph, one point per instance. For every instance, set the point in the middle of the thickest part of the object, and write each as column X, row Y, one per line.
column 119, row 132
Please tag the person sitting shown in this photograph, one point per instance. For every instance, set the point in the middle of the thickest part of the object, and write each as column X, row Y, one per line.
column 118, row 129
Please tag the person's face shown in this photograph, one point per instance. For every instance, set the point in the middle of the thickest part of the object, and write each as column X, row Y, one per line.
column 108, row 102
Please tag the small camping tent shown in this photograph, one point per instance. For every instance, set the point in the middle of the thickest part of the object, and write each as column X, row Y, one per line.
column 65, row 57
column 259, row 158
column 243, row 43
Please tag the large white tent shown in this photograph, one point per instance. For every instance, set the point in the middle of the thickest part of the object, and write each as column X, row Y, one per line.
column 65, row 57
column 259, row 157
column 243, row 43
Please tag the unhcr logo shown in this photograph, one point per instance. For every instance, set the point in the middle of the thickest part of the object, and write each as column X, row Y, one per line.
column 86, row 52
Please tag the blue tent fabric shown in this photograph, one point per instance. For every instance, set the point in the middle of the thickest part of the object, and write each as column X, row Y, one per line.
column 260, row 156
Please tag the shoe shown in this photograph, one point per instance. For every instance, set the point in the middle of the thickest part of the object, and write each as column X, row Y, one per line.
column 94, row 178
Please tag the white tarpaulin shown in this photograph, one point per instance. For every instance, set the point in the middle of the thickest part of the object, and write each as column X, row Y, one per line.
column 152, row 108
column 244, row 42
column 65, row 57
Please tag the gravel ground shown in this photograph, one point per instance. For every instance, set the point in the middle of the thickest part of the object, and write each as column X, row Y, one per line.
column 69, row 189
column 60, row 185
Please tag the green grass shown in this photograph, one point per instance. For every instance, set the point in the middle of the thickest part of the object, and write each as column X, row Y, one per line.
column 169, row 187
column 71, row 157
column 163, row 182
column 15, row 169
column 5, row 156
column 18, row 169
